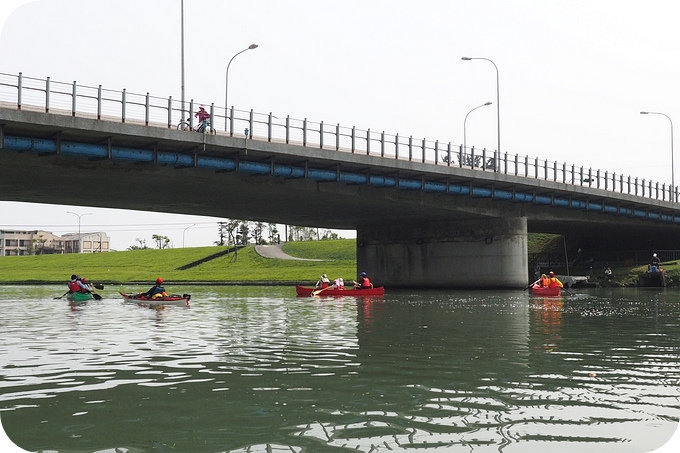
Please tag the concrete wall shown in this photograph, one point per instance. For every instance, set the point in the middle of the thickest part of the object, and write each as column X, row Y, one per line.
column 474, row 253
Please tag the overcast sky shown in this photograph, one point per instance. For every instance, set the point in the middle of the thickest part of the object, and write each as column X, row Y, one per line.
column 574, row 76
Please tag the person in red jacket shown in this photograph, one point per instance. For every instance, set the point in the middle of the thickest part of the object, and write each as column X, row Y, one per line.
column 554, row 281
column 363, row 283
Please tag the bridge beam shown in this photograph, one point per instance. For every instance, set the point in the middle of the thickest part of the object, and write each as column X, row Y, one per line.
column 475, row 253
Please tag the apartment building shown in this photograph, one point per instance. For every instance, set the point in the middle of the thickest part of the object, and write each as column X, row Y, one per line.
column 40, row 242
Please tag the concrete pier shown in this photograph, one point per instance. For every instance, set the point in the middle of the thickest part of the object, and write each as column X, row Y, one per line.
column 479, row 253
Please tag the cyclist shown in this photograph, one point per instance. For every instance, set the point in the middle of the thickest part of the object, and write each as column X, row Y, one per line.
column 203, row 117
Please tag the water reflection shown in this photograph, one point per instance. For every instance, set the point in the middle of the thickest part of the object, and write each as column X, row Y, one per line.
column 258, row 369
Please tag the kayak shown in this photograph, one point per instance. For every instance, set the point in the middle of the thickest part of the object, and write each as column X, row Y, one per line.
column 543, row 291
column 79, row 297
column 307, row 291
column 173, row 299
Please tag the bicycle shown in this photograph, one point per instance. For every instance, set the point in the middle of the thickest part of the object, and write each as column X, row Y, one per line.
column 204, row 126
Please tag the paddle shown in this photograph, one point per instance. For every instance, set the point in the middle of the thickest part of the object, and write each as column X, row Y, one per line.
column 530, row 285
column 62, row 295
column 96, row 296
column 316, row 292
column 99, row 285
column 567, row 291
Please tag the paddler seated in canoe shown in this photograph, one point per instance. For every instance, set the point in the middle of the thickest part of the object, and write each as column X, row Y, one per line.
column 544, row 281
column 76, row 285
column 363, row 283
column 323, row 282
column 338, row 283
column 554, row 281
column 157, row 291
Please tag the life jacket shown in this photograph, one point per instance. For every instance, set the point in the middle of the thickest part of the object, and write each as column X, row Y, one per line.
column 365, row 283
column 545, row 282
column 554, row 283
column 74, row 287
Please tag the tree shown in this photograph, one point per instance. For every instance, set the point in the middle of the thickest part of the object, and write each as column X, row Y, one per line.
column 162, row 242
column 140, row 246
column 273, row 233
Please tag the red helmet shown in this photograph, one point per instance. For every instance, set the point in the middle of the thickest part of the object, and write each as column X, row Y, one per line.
column 159, row 281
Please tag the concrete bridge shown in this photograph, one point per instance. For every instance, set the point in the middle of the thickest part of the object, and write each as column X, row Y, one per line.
column 426, row 213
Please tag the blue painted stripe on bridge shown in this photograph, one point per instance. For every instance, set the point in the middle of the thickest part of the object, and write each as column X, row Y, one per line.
column 124, row 154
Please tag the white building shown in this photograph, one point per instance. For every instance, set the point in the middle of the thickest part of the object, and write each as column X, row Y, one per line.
column 39, row 242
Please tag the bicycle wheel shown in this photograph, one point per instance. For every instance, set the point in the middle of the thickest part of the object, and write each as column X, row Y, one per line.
column 183, row 126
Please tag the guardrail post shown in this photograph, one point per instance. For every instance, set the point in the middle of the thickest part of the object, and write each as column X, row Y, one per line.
column 73, row 99
column 368, row 141
column 337, row 137
column 304, row 132
column 99, row 102
column 526, row 166
column 382, row 144
column 353, row 138
column 231, row 121
column 20, row 85
column 47, row 95
column 169, row 112
column 269, row 127
column 606, row 181
column 423, row 150
column 460, row 156
column 321, row 135
column 436, row 152
column 448, row 154
column 287, row 129
column 123, row 100
column 251, row 124
column 147, row 108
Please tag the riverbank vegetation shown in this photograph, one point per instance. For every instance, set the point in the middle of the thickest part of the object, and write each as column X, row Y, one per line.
column 337, row 258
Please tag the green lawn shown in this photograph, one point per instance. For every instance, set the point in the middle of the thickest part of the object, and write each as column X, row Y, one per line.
column 339, row 260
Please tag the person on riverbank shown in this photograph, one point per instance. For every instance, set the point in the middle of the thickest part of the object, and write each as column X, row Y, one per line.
column 655, row 263
column 157, row 291
column 554, row 282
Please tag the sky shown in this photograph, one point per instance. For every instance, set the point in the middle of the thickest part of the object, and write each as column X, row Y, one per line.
column 573, row 77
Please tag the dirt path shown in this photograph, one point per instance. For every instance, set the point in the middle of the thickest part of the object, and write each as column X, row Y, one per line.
column 275, row 251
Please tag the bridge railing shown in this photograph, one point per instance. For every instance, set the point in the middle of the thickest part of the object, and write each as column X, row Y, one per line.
column 23, row 92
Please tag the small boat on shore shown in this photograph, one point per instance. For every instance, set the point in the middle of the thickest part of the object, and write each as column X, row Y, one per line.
column 330, row 291
column 538, row 290
column 173, row 299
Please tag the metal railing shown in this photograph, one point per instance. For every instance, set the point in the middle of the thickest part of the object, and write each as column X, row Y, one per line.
column 96, row 102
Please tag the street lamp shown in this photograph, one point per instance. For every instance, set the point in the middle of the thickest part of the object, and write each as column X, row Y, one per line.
column 465, row 121
column 79, row 217
column 226, row 83
column 182, row 47
column 185, row 230
column 673, row 193
column 498, row 98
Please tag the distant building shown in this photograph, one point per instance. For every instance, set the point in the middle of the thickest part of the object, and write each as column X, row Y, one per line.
column 39, row 242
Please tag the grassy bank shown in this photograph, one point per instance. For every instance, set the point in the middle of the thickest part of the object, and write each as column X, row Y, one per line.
column 338, row 260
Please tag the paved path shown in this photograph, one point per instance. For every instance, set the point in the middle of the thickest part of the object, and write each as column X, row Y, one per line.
column 274, row 251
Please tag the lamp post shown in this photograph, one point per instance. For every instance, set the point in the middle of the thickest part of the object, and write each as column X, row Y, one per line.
column 226, row 83
column 465, row 122
column 185, row 230
column 79, row 217
column 673, row 194
column 498, row 98
column 182, row 65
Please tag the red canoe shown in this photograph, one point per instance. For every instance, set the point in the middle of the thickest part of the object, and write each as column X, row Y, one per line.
column 173, row 299
column 543, row 291
column 307, row 291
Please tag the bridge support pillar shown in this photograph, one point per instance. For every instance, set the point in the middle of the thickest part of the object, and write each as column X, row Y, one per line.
column 479, row 253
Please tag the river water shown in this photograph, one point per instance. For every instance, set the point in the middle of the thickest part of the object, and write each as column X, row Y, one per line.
column 256, row 369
